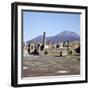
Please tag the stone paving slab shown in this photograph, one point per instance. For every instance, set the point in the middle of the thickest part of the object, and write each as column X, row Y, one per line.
column 50, row 65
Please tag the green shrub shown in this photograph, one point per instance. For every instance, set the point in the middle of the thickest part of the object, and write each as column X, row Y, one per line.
column 70, row 52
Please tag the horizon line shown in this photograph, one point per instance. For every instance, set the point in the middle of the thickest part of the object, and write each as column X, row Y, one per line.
column 53, row 35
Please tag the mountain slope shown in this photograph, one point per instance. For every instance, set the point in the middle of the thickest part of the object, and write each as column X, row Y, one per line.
column 63, row 36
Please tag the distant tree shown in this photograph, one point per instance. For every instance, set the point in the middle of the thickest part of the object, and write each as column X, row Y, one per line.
column 57, row 46
column 28, row 49
column 78, row 49
column 63, row 44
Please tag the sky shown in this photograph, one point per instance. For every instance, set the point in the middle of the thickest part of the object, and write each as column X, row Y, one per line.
column 35, row 23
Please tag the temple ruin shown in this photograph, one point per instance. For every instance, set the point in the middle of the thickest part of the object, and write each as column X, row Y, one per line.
column 47, row 48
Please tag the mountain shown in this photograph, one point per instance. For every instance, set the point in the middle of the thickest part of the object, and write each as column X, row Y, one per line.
column 61, row 37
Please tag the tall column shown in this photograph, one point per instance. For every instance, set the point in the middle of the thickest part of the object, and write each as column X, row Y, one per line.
column 44, row 38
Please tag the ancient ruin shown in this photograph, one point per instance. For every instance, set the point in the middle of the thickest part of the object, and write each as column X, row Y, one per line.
column 56, row 49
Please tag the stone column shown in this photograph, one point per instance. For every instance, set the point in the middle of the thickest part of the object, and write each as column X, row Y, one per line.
column 44, row 39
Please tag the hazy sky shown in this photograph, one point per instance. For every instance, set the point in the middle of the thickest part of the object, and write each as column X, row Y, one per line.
column 35, row 23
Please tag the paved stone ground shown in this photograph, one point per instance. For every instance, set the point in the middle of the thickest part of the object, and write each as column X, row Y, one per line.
column 50, row 65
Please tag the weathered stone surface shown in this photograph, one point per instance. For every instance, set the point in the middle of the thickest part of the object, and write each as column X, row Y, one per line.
column 50, row 65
